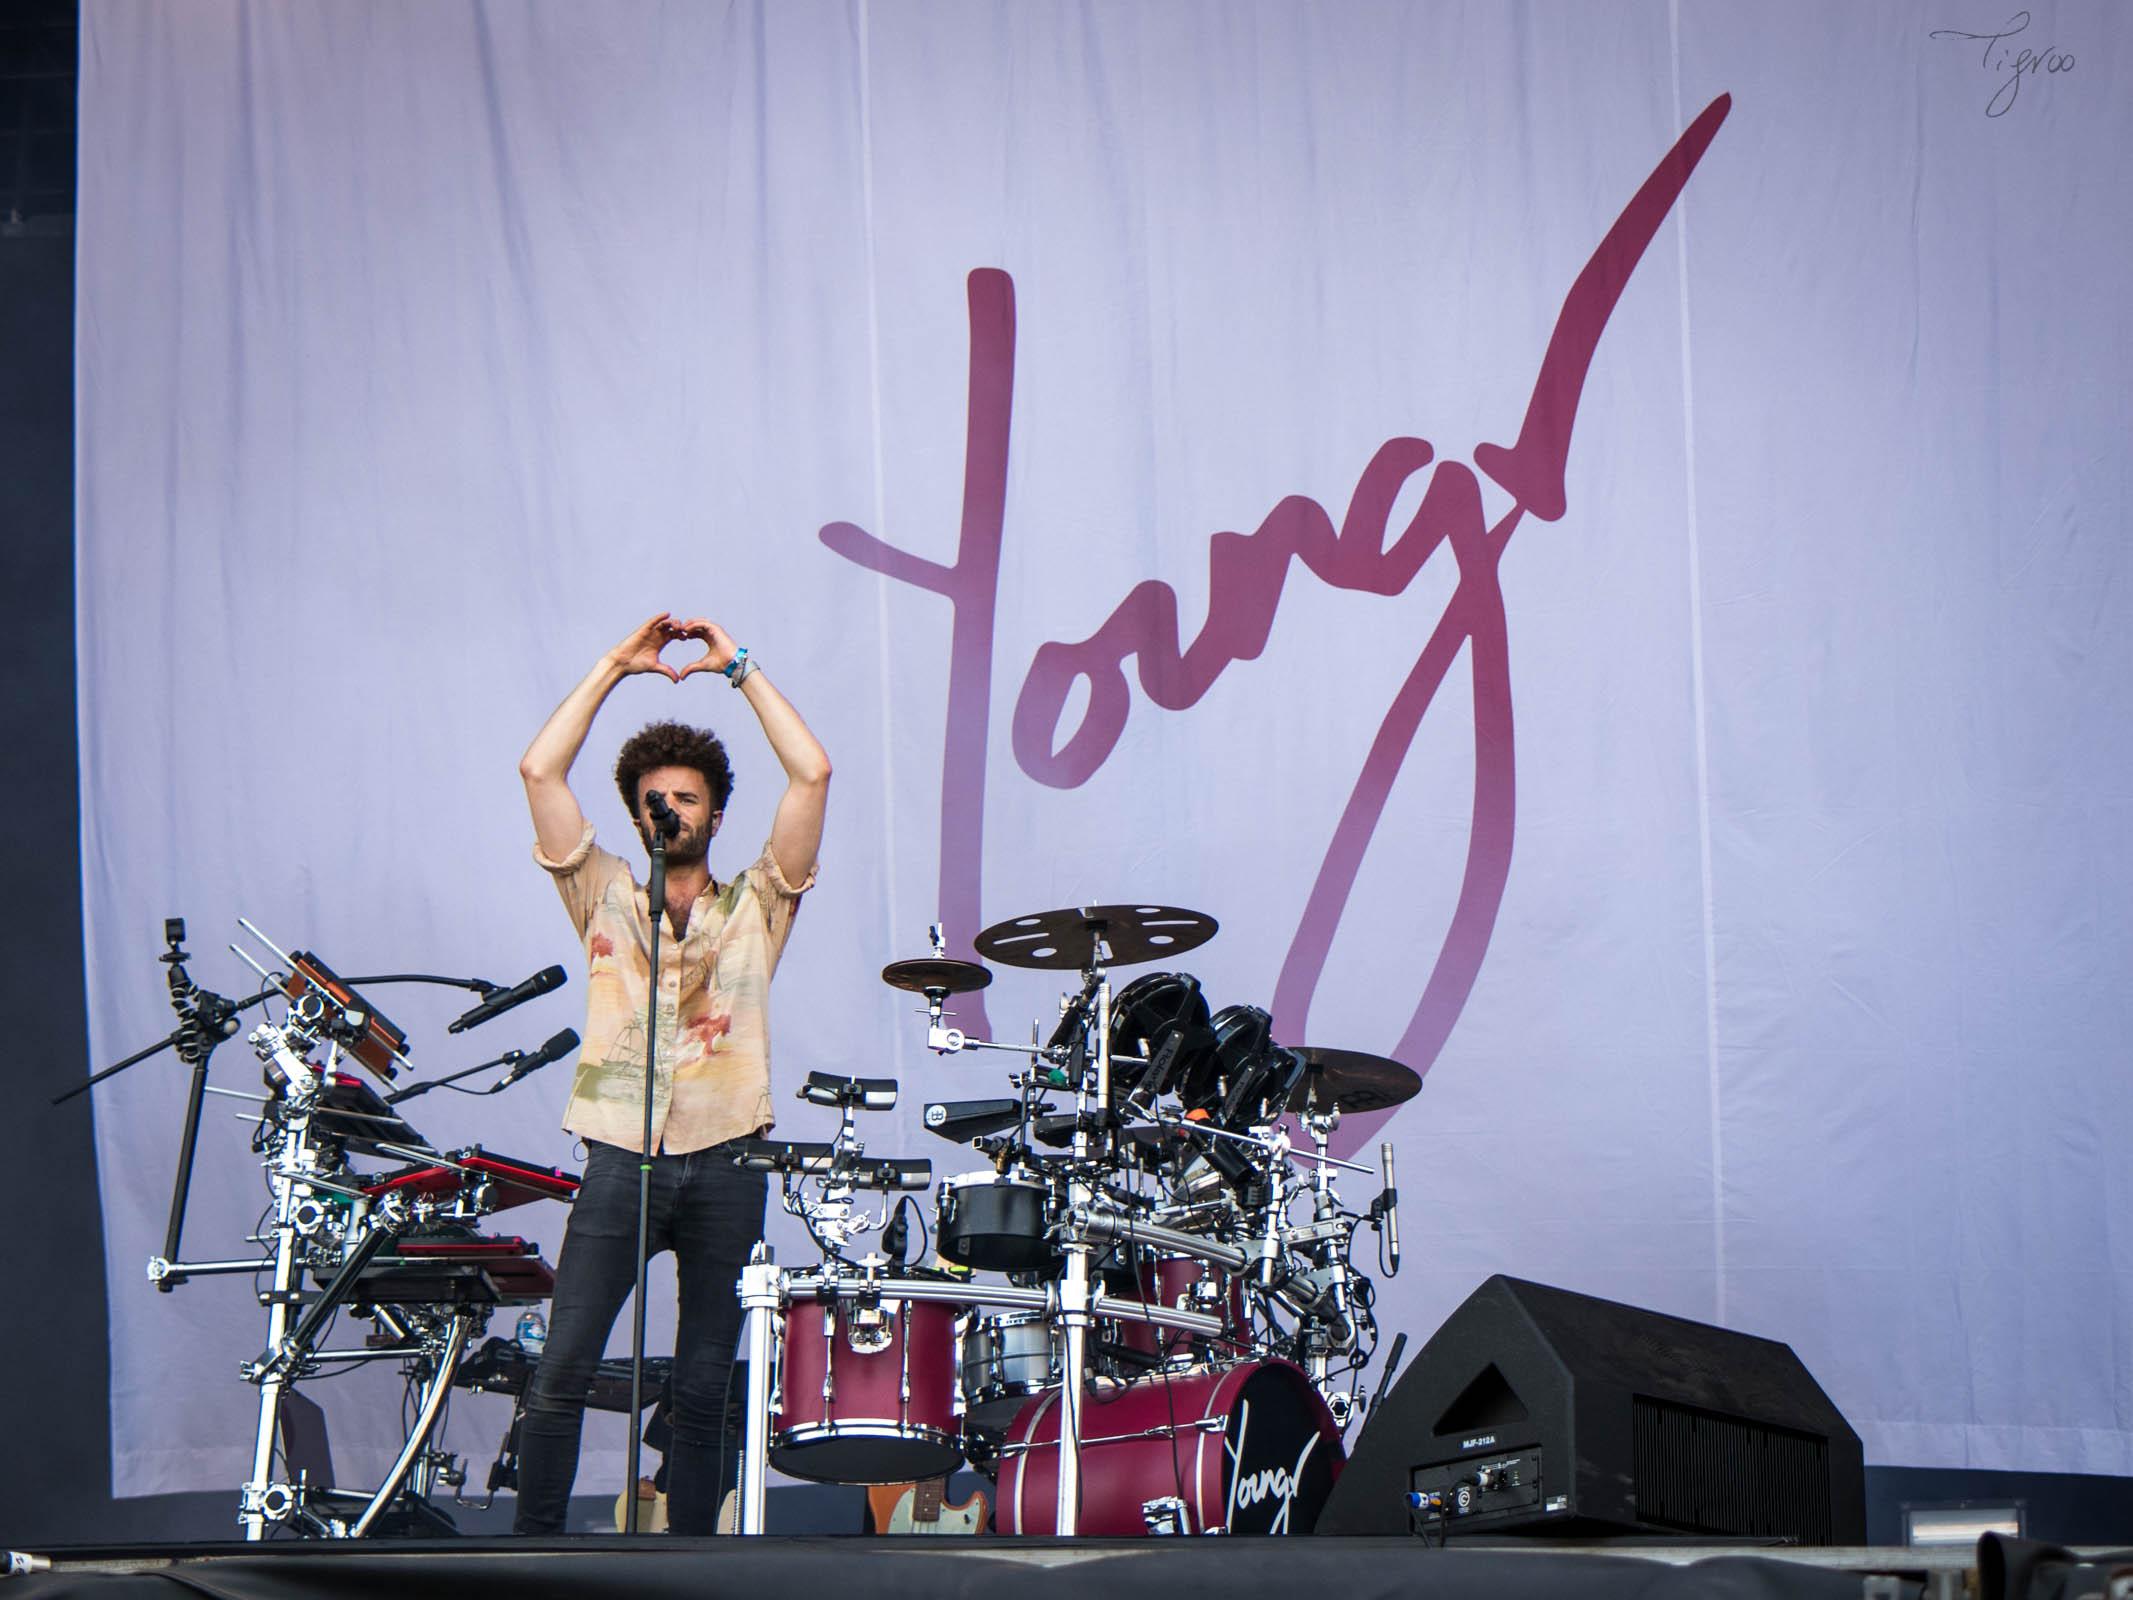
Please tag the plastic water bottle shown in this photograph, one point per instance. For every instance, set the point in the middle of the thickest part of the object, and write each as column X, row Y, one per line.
column 532, row 1332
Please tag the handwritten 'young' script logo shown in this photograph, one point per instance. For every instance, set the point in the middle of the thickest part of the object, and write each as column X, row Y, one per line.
column 1247, row 573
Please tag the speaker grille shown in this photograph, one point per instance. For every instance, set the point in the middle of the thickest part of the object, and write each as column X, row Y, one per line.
column 1705, row 1473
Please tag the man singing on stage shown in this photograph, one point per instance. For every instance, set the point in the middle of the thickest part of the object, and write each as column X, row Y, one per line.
column 712, row 1082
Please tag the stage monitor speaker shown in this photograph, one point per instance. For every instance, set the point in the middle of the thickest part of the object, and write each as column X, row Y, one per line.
column 1538, row 1411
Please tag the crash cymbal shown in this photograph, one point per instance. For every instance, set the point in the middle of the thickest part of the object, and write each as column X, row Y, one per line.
column 935, row 972
column 1068, row 939
column 1352, row 1080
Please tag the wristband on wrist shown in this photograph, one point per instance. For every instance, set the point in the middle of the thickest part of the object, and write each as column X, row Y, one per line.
column 739, row 667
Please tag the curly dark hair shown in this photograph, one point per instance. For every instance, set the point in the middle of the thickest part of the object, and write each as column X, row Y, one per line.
column 673, row 744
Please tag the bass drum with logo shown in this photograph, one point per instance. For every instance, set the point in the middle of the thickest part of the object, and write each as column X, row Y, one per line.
column 1247, row 1449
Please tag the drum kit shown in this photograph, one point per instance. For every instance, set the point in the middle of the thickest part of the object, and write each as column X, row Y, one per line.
column 1145, row 1315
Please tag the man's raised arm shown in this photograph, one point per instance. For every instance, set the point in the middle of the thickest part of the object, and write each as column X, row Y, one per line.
column 796, row 830
column 558, row 823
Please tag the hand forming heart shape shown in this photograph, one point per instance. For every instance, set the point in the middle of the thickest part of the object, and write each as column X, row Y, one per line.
column 642, row 651
column 719, row 648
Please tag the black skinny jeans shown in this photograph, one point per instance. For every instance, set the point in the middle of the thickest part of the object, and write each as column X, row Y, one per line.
column 710, row 1214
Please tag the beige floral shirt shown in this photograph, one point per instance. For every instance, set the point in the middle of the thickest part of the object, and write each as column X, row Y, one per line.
column 713, row 1077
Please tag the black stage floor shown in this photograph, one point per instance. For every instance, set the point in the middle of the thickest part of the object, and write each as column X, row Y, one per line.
column 772, row 1568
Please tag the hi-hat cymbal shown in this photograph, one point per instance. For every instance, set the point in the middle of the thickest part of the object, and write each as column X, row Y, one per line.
column 935, row 972
column 1352, row 1080
column 1068, row 939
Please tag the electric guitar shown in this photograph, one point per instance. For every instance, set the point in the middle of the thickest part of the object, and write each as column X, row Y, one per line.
column 918, row 1508
column 652, row 1509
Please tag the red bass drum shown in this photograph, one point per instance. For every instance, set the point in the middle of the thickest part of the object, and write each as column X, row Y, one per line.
column 1246, row 1449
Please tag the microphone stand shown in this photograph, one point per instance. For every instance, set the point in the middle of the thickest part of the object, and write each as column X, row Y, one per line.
column 205, row 1019
column 510, row 1058
column 656, row 842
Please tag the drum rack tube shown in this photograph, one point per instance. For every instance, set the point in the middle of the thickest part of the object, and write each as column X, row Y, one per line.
column 1194, row 1322
column 1105, row 1227
column 798, row 1287
column 161, row 1271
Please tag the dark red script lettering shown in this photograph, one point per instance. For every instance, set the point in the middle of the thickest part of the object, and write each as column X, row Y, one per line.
column 1246, row 576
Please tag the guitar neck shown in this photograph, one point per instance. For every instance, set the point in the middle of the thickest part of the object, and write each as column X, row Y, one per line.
column 926, row 1499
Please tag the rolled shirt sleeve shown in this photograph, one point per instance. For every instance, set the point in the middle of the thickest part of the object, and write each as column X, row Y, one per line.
column 583, row 877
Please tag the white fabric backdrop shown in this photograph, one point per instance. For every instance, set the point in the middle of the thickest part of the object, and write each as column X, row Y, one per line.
column 425, row 347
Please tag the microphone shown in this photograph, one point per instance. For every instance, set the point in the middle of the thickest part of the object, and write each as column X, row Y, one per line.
column 1266, row 1270
column 503, row 1000
column 1390, row 1200
column 1392, row 1363
column 663, row 817
column 555, row 1049
column 896, row 1237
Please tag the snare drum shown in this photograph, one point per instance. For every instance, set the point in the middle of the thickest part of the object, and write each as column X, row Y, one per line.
column 996, row 1223
column 1007, row 1356
column 866, row 1392
column 1247, row 1449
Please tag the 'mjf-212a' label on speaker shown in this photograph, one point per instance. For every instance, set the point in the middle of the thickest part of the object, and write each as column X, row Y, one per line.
column 1476, row 1444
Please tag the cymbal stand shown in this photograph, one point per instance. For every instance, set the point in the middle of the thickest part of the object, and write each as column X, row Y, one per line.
column 1092, row 1137
column 946, row 1041
column 1333, row 1327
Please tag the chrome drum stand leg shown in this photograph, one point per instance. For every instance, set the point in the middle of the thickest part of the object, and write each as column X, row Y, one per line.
column 265, row 1502
column 446, row 1363
column 762, row 1303
column 1074, row 1302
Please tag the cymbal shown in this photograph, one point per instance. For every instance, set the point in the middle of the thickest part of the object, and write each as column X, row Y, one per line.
column 935, row 972
column 1067, row 939
column 1353, row 1080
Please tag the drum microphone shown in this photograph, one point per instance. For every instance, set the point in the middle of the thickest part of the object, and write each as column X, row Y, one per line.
column 559, row 1046
column 1392, row 1364
column 495, row 1005
column 896, row 1237
column 1388, row 1206
column 663, row 817
column 1266, row 1271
